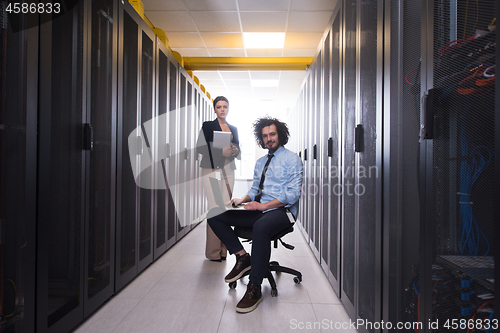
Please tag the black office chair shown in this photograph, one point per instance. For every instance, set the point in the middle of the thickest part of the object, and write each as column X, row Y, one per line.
column 274, row 266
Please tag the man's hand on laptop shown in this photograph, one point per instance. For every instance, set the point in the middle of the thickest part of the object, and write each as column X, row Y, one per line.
column 238, row 201
column 235, row 202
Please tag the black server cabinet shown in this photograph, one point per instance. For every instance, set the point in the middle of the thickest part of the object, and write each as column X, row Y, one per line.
column 182, row 181
column 315, row 160
column 101, row 155
column 18, row 151
column 181, row 156
column 135, row 172
column 342, row 155
column 458, row 243
column 440, row 151
column 61, row 171
column 348, row 225
column 401, row 199
column 173, row 134
column 361, row 137
column 334, row 149
column 163, row 197
column 308, row 212
column 147, row 61
column 197, row 121
column 197, row 172
column 324, row 174
column 300, row 118
column 367, row 145
column 191, row 143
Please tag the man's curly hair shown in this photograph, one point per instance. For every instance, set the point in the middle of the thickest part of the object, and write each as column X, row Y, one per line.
column 281, row 128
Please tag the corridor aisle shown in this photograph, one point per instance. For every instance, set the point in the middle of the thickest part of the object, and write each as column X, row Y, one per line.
column 184, row 292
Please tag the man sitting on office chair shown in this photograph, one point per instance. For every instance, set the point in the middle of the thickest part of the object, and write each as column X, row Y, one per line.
column 277, row 185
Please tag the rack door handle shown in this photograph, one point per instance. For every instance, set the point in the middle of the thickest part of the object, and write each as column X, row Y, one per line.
column 428, row 104
column 330, row 147
column 88, row 137
column 358, row 138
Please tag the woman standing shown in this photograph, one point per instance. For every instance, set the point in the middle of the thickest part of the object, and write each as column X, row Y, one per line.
column 217, row 163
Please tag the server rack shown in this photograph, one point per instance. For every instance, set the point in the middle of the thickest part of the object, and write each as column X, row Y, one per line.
column 324, row 175
column 348, row 219
column 457, row 150
column 164, row 204
column 18, row 146
column 317, row 193
column 126, row 188
column 70, row 101
column 182, row 155
column 432, row 229
column 173, row 137
column 343, row 224
column 61, row 170
column 401, row 199
column 100, row 147
column 334, row 147
column 147, row 98
column 135, row 172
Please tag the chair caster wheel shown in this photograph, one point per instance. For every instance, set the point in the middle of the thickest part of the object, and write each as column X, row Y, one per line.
column 274, row 292
column 297, row 279
column 274, row 263
column 233, row 284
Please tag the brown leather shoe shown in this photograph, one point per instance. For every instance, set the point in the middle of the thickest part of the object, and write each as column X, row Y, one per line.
column 242, row 265
column 251, row 299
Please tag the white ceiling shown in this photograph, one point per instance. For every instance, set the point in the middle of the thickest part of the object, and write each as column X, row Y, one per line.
column 213, row 28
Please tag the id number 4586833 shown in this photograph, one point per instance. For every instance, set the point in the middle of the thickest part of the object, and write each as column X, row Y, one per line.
column 33, row 8
column 474, row 324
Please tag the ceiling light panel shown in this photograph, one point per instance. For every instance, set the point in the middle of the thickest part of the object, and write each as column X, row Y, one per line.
column 263, row 40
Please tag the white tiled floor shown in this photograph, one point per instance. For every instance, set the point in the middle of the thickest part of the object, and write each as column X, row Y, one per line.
column 184, row 292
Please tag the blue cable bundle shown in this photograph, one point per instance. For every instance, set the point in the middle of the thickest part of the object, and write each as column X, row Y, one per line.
column 473, row 163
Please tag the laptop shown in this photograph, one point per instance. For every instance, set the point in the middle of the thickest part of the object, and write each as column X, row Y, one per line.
column 214, row 183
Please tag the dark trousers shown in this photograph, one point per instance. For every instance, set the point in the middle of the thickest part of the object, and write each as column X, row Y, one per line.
column 264, row 226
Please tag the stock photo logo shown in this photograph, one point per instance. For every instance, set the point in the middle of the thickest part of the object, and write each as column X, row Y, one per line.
column 159, row 163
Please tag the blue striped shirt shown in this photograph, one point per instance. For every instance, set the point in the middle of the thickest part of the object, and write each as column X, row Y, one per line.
column 283, row 179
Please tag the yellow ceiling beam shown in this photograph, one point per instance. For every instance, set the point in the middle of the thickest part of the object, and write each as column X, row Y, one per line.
column 247, row 63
